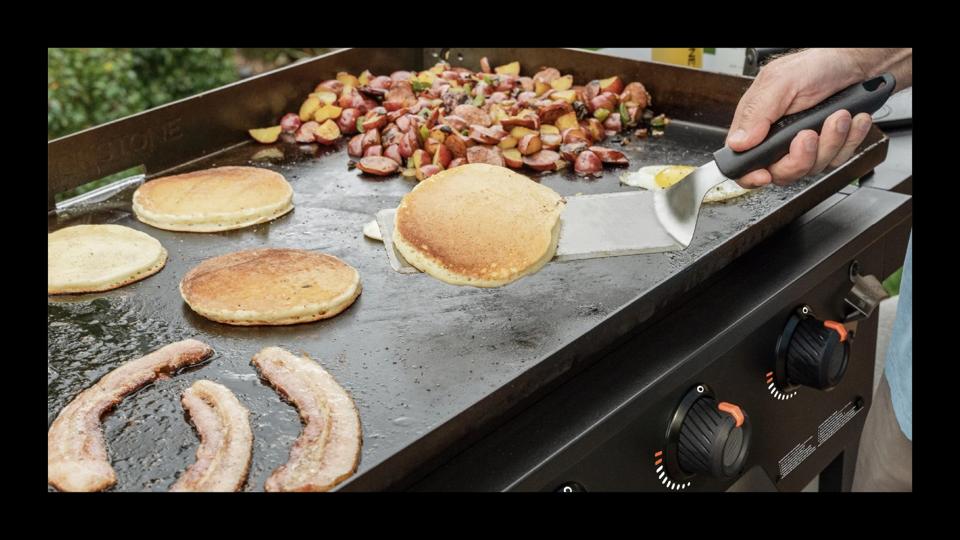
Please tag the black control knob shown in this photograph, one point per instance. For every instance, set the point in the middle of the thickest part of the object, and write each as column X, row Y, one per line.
column 714, row 439
column 812, row 353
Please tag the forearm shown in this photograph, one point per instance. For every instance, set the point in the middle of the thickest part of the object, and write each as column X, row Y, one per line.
column 873, row 62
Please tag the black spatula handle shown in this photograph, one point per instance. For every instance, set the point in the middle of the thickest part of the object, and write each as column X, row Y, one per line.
column 867, row 97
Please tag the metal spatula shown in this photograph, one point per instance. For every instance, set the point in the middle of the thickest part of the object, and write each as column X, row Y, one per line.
column 677, row 207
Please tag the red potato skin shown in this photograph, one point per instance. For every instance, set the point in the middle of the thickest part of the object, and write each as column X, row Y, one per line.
column 483, row 135
column 456, row 144
column 306, row 132
column 530, row 144
column 613, row 123
column 347, row 122
column 549, row 113
column 331, row 85
column 546, row 75
column 378, row 165
column 401, row 75
column 382, row 82
column 587, row 163
column 485, row 154
column 409, row 144
column 616, row 86
column 374, row 121
column 574, row 134
column 457, row 162
column 637, row 94
column 443, row 156
column 606, row 100
column 551, row 141
column 290, row 122
column 355, row 146
column 427, row 171
column 393, row 152
column 370, row 138
column 375, row 150
column 610, row 156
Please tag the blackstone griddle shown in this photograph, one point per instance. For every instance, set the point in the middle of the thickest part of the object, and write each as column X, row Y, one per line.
column 556, row 381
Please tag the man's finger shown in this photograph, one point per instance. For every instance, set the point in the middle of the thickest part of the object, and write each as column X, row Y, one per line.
column 762, row 105
column 859, row 129
column 796, row 164
column 833, row 135
column 755, row 179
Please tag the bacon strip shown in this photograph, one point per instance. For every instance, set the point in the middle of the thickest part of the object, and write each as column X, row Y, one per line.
column 328, row 450
column 226, row 441
column 76, row 452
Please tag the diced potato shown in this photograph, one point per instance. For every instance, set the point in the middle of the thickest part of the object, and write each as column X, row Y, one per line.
column 566, row 95
column 539, row 88
column 309, row 107
column 327, row 112
column 327, row 133
column 549, row 129
column 266, row 135
column 519, row 131
column 365, row 77
column 513, row 68
column 512, row 158
column 348, row 79
column 568, row 120
column 613, row 84
column 563, row 83
column 426, row 77
column 508, row 142
column 325, row 96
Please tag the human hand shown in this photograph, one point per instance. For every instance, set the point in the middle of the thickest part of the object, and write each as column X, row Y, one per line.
column 792, row 84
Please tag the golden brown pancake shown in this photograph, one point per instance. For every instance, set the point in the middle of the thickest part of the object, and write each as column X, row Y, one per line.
column 92, row 258
column 479, row 225
column 270, row 287
column 210, row 200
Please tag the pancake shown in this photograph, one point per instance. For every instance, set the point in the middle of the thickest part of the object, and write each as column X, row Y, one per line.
column 478, row 225
column 93, row 258
column 270, row 287
column 211, row 200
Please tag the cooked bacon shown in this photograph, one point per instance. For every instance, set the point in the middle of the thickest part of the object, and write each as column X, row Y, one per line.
column 328, row 450
column 76, row 452
column 226, row 441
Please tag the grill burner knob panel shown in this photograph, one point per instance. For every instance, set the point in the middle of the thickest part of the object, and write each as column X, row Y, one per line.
column 811, row 352
column 706, row 437
column 714, row 439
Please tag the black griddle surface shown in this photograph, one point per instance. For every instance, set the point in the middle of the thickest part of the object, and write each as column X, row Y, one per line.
column 414, row 352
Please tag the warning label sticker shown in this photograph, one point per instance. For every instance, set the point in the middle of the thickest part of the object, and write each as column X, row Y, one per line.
column 825, row 430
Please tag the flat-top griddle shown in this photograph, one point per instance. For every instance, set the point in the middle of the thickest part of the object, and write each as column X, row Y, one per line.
column 431, row 366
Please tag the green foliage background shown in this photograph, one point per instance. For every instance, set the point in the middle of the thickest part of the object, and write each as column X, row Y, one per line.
column 86, row 87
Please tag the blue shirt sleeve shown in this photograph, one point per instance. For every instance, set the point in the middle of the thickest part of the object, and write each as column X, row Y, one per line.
column 899, row 363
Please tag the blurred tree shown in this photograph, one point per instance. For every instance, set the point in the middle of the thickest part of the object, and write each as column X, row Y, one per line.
column 86, row 87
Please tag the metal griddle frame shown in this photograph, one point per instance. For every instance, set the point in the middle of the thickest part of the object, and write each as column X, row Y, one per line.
column 216, row 121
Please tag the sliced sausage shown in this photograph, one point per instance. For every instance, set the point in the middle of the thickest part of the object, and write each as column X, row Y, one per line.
column 610, row 156
column 544, row 160
column 378, row 165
